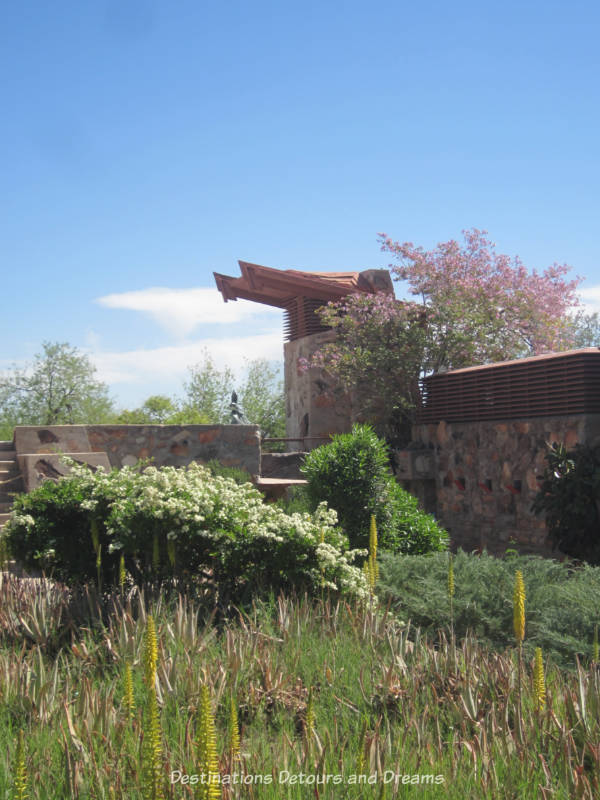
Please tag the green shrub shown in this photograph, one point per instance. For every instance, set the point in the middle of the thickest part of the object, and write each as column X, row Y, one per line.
column 562, row 603
column 295, row 501
column 570, row 496
column 351, row 474
column 173, row 521
column 237, row 474
column 415, row 532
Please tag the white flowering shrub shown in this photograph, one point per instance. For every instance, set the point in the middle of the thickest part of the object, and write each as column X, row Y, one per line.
column 179, row 522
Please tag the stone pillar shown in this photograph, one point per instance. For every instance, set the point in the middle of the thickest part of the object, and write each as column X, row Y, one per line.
column 315, row 404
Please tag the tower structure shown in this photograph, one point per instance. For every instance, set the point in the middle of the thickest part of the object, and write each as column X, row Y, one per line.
column 315, row 404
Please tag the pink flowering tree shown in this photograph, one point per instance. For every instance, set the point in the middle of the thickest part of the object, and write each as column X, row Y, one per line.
column 473, row 306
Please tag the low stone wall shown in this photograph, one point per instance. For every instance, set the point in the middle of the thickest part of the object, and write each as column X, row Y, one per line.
column 36, row 468
column 168, row 445
column 282, row 465
column 487, row 475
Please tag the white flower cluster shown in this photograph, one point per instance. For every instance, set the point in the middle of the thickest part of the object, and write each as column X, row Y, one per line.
column 190, row 508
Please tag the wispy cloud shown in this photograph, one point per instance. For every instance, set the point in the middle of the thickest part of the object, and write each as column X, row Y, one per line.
column 171, row 363
column 180, row 311
column 590, row 297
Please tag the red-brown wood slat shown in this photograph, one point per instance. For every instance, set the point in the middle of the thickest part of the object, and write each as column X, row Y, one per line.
column 562, row 383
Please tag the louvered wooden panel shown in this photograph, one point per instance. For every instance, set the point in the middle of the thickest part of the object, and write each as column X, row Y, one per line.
column 301, row 318
column 564, row 383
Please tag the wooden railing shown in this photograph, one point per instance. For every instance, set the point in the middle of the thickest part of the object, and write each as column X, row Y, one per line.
column 303, row 439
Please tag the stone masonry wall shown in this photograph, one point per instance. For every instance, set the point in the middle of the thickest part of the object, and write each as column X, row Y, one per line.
column 488, row 473
column 315, row 404
column 168, row 445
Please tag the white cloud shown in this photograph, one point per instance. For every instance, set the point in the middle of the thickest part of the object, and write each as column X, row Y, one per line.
column 590, row 297
column 180, row 311
column 170, row 364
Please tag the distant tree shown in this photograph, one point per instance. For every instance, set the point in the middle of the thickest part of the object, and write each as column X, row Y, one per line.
column 58, row 388
column 262, row 398
column 586, row 329
column 158, row 409
column 208, row 395
column 208, row 392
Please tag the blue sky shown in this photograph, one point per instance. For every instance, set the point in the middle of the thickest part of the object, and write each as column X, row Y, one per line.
column 146, row 143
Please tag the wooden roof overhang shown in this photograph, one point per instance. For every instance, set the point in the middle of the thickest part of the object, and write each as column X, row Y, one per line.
column 297, row 292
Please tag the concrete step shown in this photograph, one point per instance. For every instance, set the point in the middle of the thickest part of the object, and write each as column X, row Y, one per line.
column 282, row 465
column 4, row 517
column 11, row 483
column 7, row 445
column 13, row 486
column 8, row 457
column 274, row 488
column 8, row 497
column 5, row 507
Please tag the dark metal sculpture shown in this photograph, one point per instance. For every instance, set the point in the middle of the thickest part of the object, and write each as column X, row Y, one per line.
column 237, row 415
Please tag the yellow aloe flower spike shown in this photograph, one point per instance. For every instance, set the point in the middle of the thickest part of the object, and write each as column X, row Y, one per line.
column 20, row 784
column 150, row 651
column 519, row 607
column 152, row 766
column 373, row 548
column 539, row 684
column 128, row 698
column 450, row 577
column 122, row 571
column 206, row 751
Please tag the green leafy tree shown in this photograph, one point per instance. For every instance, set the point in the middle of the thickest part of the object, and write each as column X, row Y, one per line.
column 158, row 409
column 586, row 329
column 59, row 388
column 208, row 396
column 262, row 398
column 208, row 392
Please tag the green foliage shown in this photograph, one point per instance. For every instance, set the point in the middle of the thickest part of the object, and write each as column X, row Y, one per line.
column 208, row 396
column 208, row 391
column 351, row 474
column 262, row 398
column 58, row 388
column 52, row 528
column 236, row 474
column 416, row 532
column 158, row 409
column 419, row 707
column 416, row 707
column 570, row 497
column 165, row 520
column 295, row 500
column 563, row 602
column 585, row 329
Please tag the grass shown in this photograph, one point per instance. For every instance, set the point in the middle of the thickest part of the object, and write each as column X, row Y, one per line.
column 321, row 688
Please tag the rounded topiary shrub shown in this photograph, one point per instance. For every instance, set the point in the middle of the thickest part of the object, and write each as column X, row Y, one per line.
column 178, row 522
column 351, row 474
